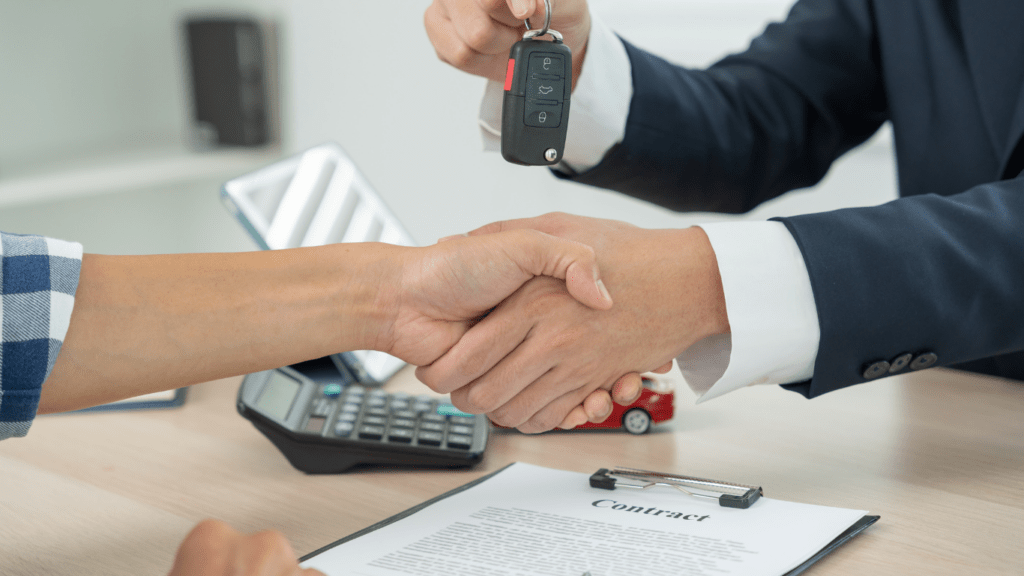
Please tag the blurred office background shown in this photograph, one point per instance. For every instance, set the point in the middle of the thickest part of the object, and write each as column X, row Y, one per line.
column 95, row 113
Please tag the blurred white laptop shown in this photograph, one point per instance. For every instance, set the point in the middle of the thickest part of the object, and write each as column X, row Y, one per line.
column 318, row 197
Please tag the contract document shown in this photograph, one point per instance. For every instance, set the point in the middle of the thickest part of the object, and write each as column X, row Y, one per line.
column 527, row 520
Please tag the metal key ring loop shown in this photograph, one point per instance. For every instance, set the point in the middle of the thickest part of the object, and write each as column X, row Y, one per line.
column 547, row 23
column 534, row 33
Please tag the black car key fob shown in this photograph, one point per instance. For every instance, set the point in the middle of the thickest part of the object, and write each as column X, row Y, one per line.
column 535, row 109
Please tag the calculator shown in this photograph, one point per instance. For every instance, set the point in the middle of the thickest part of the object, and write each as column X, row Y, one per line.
column 330, row 425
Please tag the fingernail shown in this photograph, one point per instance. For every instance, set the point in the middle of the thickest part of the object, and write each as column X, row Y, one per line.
column 624, row 395
column 519, row 7
column 636, row 396
column 604, row 291
column 637, row 389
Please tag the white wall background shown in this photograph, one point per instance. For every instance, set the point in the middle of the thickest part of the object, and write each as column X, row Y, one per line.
column 103, row 77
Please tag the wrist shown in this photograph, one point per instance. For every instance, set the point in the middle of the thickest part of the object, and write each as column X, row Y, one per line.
column 579, row 53
column 708, row 281
column 694, row 286
column 366, row 297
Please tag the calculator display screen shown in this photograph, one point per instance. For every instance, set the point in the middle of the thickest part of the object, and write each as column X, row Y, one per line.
column 277, row 395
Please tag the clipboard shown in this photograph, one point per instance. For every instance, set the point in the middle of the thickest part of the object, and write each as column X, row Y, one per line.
column 727, row 494
column 621, row 478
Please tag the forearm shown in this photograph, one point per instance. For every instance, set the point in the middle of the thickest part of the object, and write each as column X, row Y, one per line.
column 753, row 126
column 148, row 323
column 926, row 275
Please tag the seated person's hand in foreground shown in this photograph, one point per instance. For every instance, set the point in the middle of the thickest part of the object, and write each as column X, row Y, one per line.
column 539, row 355
column 147, row 323
column 213, row 548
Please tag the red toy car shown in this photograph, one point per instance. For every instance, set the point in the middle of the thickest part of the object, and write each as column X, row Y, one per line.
column 655, row 404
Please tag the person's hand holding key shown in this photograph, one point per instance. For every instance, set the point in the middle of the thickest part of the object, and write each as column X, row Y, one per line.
column 476, row 35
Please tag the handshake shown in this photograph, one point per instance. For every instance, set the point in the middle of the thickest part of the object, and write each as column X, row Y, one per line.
column 543, row 322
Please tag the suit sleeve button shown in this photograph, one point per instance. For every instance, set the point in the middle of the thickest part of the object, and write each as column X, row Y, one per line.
column 876, row 370
column 926, row 360
column 900, row 362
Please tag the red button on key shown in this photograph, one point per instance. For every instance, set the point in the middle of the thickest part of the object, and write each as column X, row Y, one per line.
column 509, row 73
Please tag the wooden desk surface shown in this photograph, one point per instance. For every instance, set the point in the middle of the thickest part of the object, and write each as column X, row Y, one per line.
column 939, row 455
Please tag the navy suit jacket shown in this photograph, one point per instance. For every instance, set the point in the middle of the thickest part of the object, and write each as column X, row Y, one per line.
column 940, row 270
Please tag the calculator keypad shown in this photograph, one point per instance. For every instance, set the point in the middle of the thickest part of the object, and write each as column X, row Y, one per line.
column 376, row 416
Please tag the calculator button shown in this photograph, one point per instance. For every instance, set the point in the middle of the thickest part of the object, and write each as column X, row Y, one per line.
column 376, row 401
column 332, row 390
column 351, row 407
column 423, row 407
column 403, row 423
column 356, row 389
column 399, row 404
column 434, row 418
column 371, row 432
column 429, row 438
column 377, row 420
column 456, row 441
column 450, row 410
column 404, row 414
column 378, row 393
column 400, row 435
column 460, row 430
column 344, row 428
column 322, row 408
column 463, row 420
column 348, row 417
column 315, row 424
column 377, row 412
column 435, row 426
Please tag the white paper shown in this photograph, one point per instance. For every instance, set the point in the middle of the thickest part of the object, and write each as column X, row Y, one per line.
column 533, row 521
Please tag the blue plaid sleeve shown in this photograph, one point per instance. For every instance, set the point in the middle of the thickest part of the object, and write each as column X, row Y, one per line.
column 38, row 278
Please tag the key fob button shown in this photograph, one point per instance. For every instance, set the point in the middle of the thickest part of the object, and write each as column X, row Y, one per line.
column 545, row 63
column 543, row 116
column 545, row 89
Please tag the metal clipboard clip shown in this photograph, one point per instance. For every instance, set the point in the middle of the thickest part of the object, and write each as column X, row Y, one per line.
column 728, row 494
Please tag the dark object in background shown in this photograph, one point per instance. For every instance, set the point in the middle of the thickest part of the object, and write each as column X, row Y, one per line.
column 229, row 73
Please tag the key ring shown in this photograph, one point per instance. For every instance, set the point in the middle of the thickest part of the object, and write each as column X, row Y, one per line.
column 546, row 29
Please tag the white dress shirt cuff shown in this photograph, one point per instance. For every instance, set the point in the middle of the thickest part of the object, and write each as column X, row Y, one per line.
column 599, row 107
column 773, row 319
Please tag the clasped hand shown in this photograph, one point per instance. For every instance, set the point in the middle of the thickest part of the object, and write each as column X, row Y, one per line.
column 541, row 359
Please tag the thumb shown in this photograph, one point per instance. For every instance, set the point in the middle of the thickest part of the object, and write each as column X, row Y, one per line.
column 522, row 9
column 541, row 254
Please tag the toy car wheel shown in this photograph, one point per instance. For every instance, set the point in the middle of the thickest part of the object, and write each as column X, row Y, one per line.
column 636, row 421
